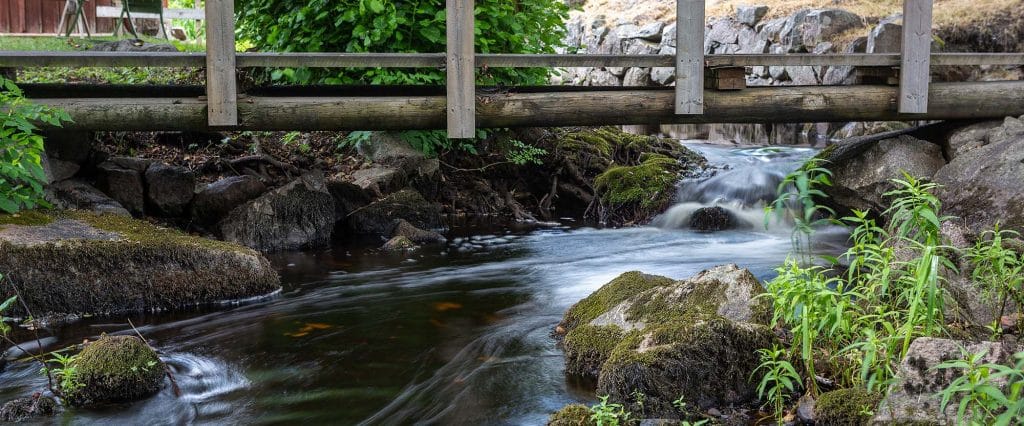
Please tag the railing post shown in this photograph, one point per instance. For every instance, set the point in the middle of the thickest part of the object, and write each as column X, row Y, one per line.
column 221, row 90
column 690, row 57
column 461, row 70
column 916, row 56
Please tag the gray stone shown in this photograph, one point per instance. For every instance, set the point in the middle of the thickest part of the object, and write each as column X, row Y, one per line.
column 76, row 194
column 378, row 217
column 131, row 45
column 399, row 244
column 822, row 25
column 968, row 138
column 73, row 146
column 802, row 76
column 122, row 184
column 723, row 31
column 298, row 215
column 617, row 71
column 771, row 30
column 402, row 228
column 859, row 181
column 57, row 170
column 668, row 35
column 913, row 398
column 637, row 77
column 603, row 78
column 663, row 76
column 640, row 47
column 169, row 189
column 750, row 15
column 886, row 37
column 217, row 199
column 1012, row 128
column 379, row 180
column 983, row 186
column 650, row 32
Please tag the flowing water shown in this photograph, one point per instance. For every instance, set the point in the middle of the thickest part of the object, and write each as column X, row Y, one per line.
column 459, row 334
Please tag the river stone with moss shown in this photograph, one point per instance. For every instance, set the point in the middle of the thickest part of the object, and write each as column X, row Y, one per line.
column 116, row 369
column 696, row 338
column 75, row 262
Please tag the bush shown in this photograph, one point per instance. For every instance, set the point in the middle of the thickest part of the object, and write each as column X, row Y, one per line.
column 386, row 26
column 21, row 148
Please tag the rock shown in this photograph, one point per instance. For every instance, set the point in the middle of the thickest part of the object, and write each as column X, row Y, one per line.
column 637, row 77
column 709, row 219
column 603, row 78
column 73, row 146
column 913, row 399
column 217, row 199
column 668, row 35
column 76, row 194
column 859, row 181
column 805, row 409
column 26, row 407
column 403, row 228
column 169, row 189
column 57, row 170
column 348, row 197
column 886, row 37
column 378, row 217
column 845, row 407
column 399, row 243
column 77, row 262
column 649, row 32
column 388, row 149
column 1012, row 128
column 664, row 338
column 379, row 180
column 123, row 185
column 982, row 186
column 750, row 15
column 821, row 25
column 968, row 138
column 116, row 369
column 295, row 216
column 179, row 33
column 663, row 76
column 571, row 415
column 802, row 76
column 132, row 45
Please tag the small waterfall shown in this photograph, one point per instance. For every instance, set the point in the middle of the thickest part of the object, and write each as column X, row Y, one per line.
column 735, row 193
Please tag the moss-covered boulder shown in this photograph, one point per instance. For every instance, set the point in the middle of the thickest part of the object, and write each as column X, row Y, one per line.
column 696, row 338
column 571, row 415
column 76, row 262
column 116, row 369
column 27, row 407
column 846, row 407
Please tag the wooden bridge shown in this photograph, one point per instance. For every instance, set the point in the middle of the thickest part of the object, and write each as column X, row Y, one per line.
column 461, row 107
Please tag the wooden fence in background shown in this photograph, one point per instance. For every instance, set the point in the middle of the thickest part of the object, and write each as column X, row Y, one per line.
column 43, row 16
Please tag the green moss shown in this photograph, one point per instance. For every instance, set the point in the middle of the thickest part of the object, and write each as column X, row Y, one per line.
column 610, row 295
column 26, row 218
column 116, row 369
column 588, row 346
column 571, row 415
column 846, row 407
column 148, row 234
column 649, row 184
column 702, row 304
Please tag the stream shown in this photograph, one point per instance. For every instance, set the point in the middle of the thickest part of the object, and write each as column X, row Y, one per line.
column 455, row 334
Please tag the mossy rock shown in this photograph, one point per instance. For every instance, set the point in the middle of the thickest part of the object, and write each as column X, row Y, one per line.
column 846, row 407
column 116, row 369
column 24, row 408
column 696, row 337
column 571, row 415
column 74, row 262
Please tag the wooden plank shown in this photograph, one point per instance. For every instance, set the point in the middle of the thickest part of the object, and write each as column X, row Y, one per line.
column 461, row 78
column 221, row 90
column 914, row 66
column 342, row 60
column 725, row 78
column 5, row 16
column 24, row 59
column 52, row 9
column 103, row 25
column 115, row 11
column 689, row 57
column 33, row 16
column 553, row 108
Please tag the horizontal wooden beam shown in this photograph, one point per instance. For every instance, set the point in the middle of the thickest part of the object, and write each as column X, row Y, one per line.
column 947, row 101
column 115, row 11
column 22, row 59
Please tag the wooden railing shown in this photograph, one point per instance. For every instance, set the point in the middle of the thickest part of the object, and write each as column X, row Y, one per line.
column 221, row 61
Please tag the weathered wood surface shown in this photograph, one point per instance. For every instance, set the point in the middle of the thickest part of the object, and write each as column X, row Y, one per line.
column 725, row 78
column 551, row 109
column 689, row 57
column 916, row 52
column 23, row 59
column 461, row 72
column 221, row 90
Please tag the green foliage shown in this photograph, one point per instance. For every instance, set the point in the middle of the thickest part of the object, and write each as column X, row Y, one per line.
column 66, row 373
column 998, row 270
column 989, row 393
column 521, row 153
column 608, row 414
column 21, row 148
column 778, row 380
column 435, row 142
column 648, row 184
column 796, row 197
column 382, row 26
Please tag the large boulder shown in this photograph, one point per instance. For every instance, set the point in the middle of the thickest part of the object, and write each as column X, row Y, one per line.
column 169, row 189
column 750, row 15
column 76, row 194
column 217, row 199
column 887, row 37
column 121, row 179
column 969, row 137
column 696, row 338
column 860, row 180
column 116, row 369
column 913, row 397
column 77, row 262
column 380, row 216
column 983, row 185
column 298, row 215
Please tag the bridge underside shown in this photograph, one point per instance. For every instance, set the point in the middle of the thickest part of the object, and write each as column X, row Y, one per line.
column 406, row 108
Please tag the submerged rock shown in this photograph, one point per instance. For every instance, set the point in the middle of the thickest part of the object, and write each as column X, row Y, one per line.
column 116, row 369
column 403, row 228
column 695, row 338
column 26, row 407
column 78, row 262
column 400, row 243
column 709, row 219
column 379, row 216
column 295, row 216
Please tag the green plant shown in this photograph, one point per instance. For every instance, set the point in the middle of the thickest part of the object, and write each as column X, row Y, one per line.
column 521, row 153
column 797, row 195
column 524, row 26
column 980, row 388
column 997, row 269
column 66, row 372
column 778, row 380
column 608, row 414
column 21, row 148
